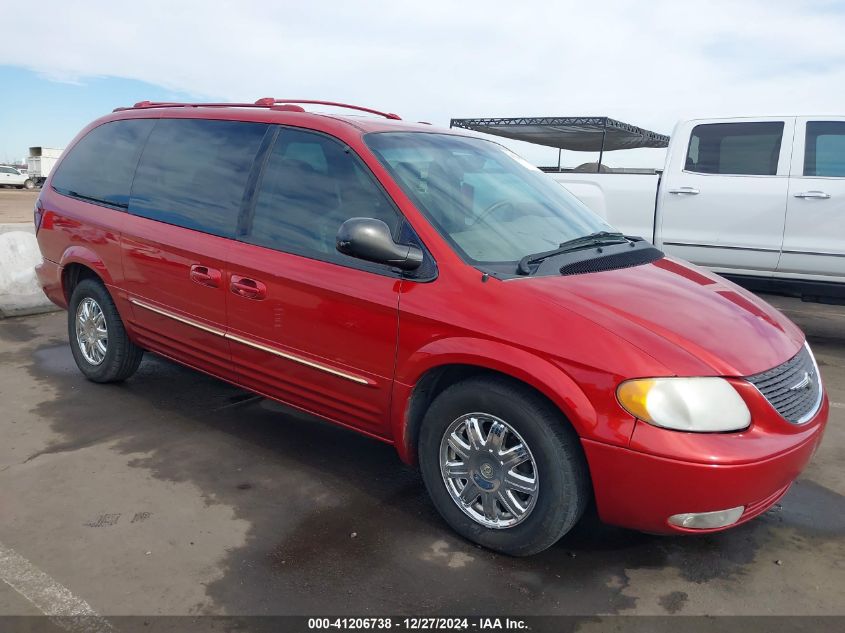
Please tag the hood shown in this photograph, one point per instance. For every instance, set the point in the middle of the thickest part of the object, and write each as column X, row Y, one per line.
column 688, row 319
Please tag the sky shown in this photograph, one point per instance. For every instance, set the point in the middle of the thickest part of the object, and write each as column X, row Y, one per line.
column 647, row 63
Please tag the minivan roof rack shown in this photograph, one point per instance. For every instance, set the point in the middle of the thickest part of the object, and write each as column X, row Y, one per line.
column 270, row 102
column 265, row 102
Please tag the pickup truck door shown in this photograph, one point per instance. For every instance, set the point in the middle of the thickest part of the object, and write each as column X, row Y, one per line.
column 814, row 238
column 722, row 199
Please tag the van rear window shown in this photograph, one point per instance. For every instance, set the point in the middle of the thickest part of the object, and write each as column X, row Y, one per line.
column 193, row 173
column 99, row 168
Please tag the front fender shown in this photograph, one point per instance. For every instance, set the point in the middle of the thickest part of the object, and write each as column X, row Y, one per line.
column 546, row 377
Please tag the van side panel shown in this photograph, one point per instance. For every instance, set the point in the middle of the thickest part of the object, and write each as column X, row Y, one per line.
column 171, row 313
column 77, row 232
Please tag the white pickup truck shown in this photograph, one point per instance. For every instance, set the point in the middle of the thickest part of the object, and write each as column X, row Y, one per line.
column 11, row 177
column 759, row 200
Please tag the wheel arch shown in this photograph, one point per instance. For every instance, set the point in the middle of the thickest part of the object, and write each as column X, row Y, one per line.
column 422, row 381
column 78, row 263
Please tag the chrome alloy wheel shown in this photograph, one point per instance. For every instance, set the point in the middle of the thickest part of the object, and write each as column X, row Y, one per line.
column 489, row 470
column 92, row 335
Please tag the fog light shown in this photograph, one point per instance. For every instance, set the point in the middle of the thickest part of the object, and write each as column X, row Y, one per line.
column 707, row 520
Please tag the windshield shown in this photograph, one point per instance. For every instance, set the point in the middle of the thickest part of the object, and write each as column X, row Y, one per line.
column 493, row 206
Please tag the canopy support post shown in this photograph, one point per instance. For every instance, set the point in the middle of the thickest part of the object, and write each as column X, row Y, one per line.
column 559, row 150
column 601, row 151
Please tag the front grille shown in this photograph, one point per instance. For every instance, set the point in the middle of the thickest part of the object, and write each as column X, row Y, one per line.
column 794, row 388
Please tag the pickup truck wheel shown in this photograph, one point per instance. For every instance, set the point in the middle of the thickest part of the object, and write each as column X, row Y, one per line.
column 503, row 466
column 29, row 184
column 98, row 341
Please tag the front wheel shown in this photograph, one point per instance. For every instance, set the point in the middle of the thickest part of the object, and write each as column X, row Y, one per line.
column 98, row 340
column 29, row 184
column 503, row 466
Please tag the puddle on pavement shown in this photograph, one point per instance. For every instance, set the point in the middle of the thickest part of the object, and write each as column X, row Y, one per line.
column 17, row 331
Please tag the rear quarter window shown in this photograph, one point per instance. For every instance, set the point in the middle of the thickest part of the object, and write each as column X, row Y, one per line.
column 101, row 165
column 193, row 173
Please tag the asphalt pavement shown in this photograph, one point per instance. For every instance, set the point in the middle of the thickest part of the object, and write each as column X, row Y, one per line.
column 175, row 493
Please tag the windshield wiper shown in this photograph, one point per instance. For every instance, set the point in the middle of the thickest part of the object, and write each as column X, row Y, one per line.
column 76, row 194
column 593, row 239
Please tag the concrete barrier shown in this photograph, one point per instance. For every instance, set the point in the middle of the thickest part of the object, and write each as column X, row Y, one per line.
column 20, row 292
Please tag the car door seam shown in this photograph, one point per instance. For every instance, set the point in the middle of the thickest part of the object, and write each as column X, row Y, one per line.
column 789, row 183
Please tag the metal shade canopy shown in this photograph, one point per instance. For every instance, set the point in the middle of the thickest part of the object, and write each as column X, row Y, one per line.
column 581, row 134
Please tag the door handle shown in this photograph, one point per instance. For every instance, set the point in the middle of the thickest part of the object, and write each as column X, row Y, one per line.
column 248, row 288
column 689, row 191
column 820, row 195
column 205, row 276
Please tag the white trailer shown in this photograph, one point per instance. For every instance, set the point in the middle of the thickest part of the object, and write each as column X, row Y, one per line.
column 41, row 161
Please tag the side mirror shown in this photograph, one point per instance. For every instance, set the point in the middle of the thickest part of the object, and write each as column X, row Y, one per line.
column 370, row 239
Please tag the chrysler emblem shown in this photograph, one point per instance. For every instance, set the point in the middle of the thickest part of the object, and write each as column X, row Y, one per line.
column 804, row 383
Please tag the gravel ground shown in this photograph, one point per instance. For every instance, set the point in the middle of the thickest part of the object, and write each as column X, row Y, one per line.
column 16, row 205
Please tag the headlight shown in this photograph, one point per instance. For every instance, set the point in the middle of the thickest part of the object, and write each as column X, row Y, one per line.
column 702, row 405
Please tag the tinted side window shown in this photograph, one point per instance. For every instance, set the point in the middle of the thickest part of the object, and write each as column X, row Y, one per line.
column 824, row 149
column 193, row 173
column 310, row 186
column 735, row 148
column 101, row 165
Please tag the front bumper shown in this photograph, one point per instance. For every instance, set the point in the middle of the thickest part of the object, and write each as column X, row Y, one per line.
column 640, row 488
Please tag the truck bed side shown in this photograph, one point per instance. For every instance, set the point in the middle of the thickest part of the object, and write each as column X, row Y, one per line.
column 626, row 201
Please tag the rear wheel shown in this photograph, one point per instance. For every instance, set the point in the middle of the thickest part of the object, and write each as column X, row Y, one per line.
column 503, row 466
column 98, row 340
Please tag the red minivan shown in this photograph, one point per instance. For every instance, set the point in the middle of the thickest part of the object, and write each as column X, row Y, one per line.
column 434, row 291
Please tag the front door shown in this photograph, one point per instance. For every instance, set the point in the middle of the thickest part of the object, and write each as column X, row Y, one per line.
column 814, row 239
column 723, row 200
column 308, row 325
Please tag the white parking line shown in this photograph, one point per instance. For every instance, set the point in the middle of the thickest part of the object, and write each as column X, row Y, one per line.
column 48, row 596
column 837, row 405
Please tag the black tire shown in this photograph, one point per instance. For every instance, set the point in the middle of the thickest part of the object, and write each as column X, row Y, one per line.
column 563, row 478
column 29, row 184
column 122, row 356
